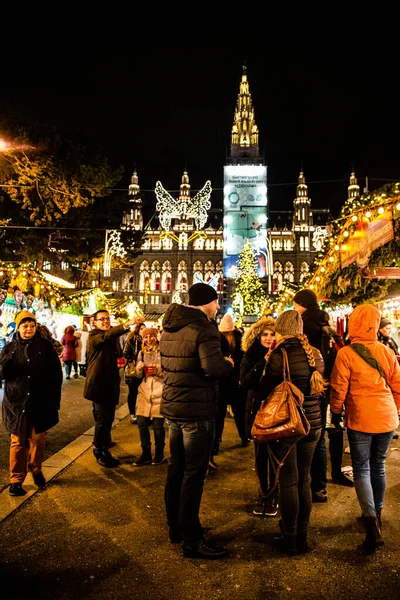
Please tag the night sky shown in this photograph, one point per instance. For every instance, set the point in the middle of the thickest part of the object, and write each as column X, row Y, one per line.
column 161, row 95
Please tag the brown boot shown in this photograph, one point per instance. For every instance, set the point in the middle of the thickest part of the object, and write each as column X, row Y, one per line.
column 373, row 538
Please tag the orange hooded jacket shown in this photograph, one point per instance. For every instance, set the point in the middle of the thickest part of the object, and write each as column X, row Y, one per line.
column 372, row 405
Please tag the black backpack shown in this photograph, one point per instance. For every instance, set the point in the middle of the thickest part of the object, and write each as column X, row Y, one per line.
column 331, row 342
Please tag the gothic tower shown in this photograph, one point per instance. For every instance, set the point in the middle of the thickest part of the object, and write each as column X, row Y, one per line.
column 354, row 188
column 133, row 219
column 302, row 216
column 244, row 137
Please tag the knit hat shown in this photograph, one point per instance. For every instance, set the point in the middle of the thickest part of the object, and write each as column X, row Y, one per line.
column 384, row 322
column 150, row 330
column 24, row 315
column 305, row 298
column 227, row 323
column 289, row 323
column 201, row 294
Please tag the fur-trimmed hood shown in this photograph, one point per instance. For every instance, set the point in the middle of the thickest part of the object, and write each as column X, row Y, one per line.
column 254, row 332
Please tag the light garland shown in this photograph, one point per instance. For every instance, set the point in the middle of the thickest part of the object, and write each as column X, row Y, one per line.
column 249, row 294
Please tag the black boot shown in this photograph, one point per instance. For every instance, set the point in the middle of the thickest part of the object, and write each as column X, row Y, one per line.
column 159, row 456
column 373, row 538
column 287, row 544
column 145, row 459
column 303, row 544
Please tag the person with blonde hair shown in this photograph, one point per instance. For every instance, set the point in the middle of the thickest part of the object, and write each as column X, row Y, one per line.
column 306, row 372
column 257, row 343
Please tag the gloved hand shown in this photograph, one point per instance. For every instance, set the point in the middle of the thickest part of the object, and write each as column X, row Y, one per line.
column 336, row 419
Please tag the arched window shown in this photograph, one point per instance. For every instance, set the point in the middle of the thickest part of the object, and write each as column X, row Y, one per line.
column 155, row 281
column 219, row 244
column 304, row 270
column 181, row 280
column 166, row 281
column 183, row 241
column 167, row 243
column 301, row 243
column 210, row 244
column 289, row 271
column 209, row 269
column 198, row 243
column 306, row 243
column 144, row 275
column 277, row 277
column 288, row 244
column 197, row 269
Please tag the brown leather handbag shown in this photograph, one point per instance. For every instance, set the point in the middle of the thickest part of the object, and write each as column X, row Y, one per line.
column 281, row 415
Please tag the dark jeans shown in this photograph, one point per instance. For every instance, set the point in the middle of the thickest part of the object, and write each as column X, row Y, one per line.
column 319, row 462
column 133, row 386
column 294, row 482
column 190, row 448
column 68, row 367
column 368, row 455
column 264, row 470
column 144, row 424
column 103, row 417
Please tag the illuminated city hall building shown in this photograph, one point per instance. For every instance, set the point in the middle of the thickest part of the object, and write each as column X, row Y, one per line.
column 186, row 242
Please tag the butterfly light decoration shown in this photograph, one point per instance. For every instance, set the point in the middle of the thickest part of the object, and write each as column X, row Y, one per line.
column 213, row 281
column 189, row 208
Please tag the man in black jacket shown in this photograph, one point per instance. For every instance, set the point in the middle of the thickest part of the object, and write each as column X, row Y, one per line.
column 192, row 362
column 314, row 319
column 102, row 382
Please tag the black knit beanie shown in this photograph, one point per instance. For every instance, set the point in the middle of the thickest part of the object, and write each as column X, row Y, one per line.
column 201, row 294
column 306, row 298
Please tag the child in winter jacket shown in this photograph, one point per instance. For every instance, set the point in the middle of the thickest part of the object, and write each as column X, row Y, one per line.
column 148, row 367
column 70, row 342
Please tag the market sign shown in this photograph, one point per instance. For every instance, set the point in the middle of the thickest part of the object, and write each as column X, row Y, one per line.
column 381, row 273
column 368, row 236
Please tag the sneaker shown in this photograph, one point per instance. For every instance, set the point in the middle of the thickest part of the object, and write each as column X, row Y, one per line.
column 259, row 507
column 320, row 496
column 145, row 459
column 76, row 376
column 107, row 460
column 203, row 549
column 68, row 377
column 271, row 507
column 16, row 489
column 158, row 459
column 39, row 479
column 133, row 419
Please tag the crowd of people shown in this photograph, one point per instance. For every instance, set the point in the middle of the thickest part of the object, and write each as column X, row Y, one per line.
column 183, row 381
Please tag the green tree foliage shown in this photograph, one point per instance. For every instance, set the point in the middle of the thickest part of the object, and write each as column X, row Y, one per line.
column 249, row 294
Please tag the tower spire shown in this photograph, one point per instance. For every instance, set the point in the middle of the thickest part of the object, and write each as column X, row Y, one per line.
column 354, row 189
column 244, row 137
column 302, row 203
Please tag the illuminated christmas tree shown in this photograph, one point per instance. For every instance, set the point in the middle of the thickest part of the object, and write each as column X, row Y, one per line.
column 249, row 294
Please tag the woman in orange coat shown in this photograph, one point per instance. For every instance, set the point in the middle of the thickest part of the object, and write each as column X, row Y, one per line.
column 371, row 396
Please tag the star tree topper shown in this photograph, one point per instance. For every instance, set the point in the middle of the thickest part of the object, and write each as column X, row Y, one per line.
column 191, row 208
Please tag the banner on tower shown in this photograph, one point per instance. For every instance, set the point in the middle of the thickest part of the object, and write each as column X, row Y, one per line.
column 245, row 214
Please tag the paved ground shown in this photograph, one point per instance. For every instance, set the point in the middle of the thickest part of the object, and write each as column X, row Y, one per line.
column 100, row 534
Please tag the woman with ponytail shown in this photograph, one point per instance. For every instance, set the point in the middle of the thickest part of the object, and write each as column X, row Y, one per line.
column 306, row 372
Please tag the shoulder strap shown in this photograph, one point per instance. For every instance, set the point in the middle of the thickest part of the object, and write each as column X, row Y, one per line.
column 369, row 358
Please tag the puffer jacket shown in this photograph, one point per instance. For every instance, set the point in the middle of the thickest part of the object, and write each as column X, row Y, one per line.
column 33, row 375
column 192, row 362
column 300, row 374
column 70, row 342
column 148, row 402
column 371, row 404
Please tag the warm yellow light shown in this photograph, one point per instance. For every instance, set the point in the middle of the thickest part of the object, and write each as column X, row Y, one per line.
column 368, row 214
column 354, row 218
column 336, row 247
column 311, row 287
column 1, row 273
column 381, row 210
column 346, row 234
column 317, row 278
column 322, row 269
column 344, row 247
column 398, row 206
column 331, row 259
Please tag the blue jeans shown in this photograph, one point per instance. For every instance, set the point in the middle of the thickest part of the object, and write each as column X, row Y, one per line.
column 143, row 424
column 368, row 455
column 190, row 447
column 294, row 481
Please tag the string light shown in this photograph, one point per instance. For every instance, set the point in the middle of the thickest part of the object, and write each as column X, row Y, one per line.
column 184, row 208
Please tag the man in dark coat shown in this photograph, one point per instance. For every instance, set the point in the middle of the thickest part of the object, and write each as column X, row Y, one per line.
column 314, row 319
column 32, row 371
column 102, row 382
column 192, row 362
